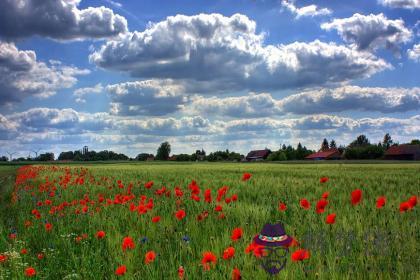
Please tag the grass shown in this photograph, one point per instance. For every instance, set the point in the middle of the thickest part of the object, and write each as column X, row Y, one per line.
column 365, row 242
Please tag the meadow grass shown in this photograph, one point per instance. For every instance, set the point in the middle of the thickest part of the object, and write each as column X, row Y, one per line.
column 364, row 242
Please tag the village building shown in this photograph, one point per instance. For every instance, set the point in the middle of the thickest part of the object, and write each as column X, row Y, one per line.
column 324, row 155
column 258, row 155
column 403, row 152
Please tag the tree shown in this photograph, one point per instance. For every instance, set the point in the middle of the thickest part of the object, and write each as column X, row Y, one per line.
column 387, row 142
column 324, row 145
column 45, row 157
column 4, row 158
column 333, row 145
column 415, row 142
column 163, row 151
column 277, row 156
column 360, row 141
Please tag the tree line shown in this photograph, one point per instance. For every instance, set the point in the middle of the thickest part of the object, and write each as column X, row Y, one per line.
column 360, row 148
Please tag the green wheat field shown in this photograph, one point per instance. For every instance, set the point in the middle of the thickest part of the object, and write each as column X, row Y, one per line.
column 51, row 216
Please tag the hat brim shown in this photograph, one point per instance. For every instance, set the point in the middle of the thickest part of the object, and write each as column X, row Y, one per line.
column 285, row 242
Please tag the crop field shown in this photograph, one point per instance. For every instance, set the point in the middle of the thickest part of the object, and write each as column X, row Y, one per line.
column 198, row 221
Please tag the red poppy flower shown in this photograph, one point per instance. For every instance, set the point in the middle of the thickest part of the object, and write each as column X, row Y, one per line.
column 48, row 227
column 128, row 243
column 221, row 216
column 293, row 243
column 320, row 206
column 148, row 185
column 228, row 253
column 3, row 258
column 12, row 235
column 149, row 257
column 236, row 274
column 23, row 251
column 356, row 196
column 282, row 206
column 100, row 234
column 30, row 271
column 380, row 202
column 156, row 219
column 304, row 203
column 246, row 176
column 300, row 255
column 234, row 197
column 236, row 234
column 218, row 208
column 121, row 270
column 208, row 258
column 412, row 201
column 180, row 214
column 40, row 256
column 323, row 180
column 181, row 272
column 330, row 219
column 325, row 195
column 207, row 195
column 404, row 206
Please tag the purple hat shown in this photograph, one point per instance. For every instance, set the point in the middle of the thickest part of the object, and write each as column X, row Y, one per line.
column 273, row 236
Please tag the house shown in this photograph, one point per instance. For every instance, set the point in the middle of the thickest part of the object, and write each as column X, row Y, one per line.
column 150, row 158
column 258, row 155
column 327, row 154
column 403, row 152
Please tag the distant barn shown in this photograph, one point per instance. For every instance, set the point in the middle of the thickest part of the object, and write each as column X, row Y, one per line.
column 327, row 154
column 403, row 152
column 258, row 155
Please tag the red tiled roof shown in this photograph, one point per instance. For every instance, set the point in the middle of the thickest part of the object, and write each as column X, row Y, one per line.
column 403, row 150
column 323, row 154
column 258, row 154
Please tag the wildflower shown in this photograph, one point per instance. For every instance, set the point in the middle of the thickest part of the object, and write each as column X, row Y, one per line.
column 234, row 197
column 180, row 214
column 300, row 255
column 128, row 243
column 208, row 257
column 149, row 257
column 148, row 185
column 236, row 274
column 236, row 234
column 323, row 180
column 404, row 206
column 380, row 202
column 23, row 251
column 330, row 219
column 320, row 206
column 100, row 234
column 356, row 196
column 144, row 239
column 3, row 258
column 121, row 270
column 207, row 195
column 412, row 201
column 186, row 238
column 30, row 271
column 156, row 219
column 246, row 176
column 181, row 272
column 48, row 227
column 304, row 203
column 40, row 256
column 228, row 253
column 218, row 208
column 282, row 206
column 325, row 195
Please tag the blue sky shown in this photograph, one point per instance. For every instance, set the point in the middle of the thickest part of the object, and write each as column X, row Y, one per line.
column 128, row 75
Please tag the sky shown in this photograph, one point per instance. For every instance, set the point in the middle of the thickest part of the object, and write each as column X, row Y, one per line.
column 213, row 75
